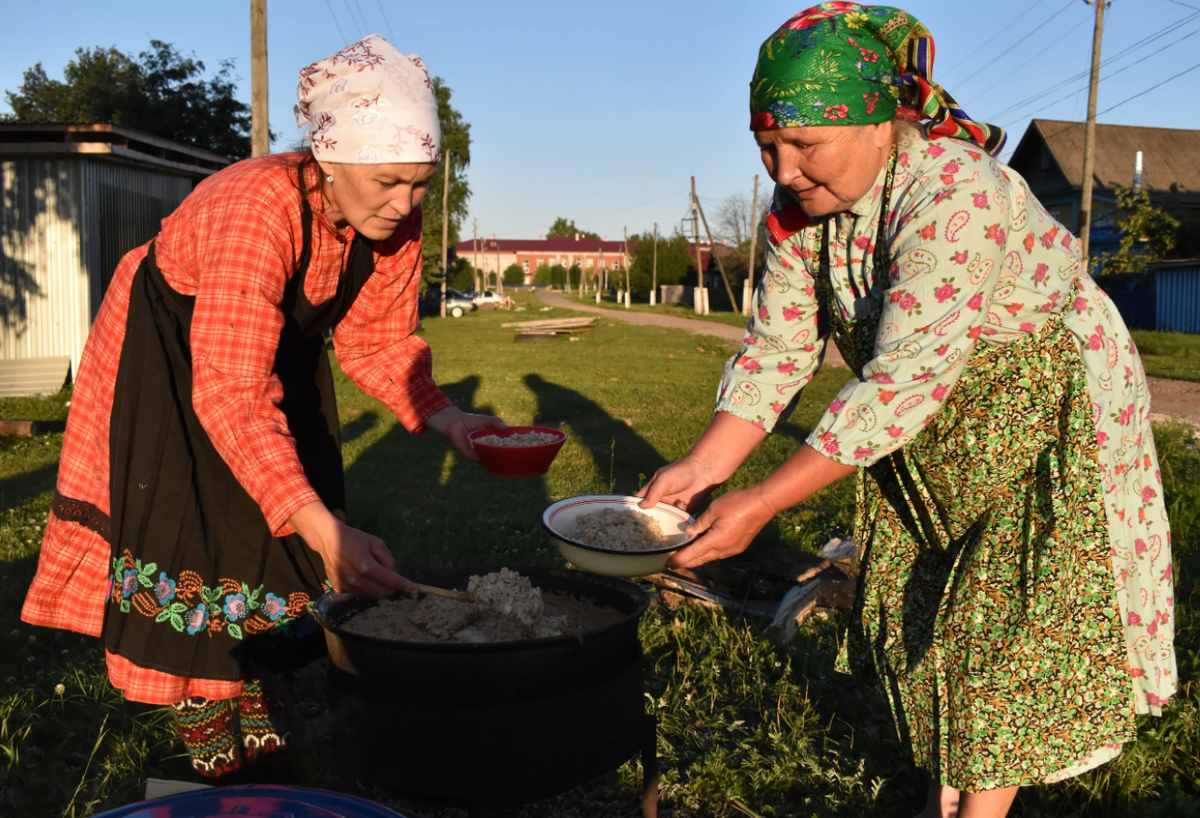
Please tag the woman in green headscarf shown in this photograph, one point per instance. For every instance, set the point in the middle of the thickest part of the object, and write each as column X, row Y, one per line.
column 1015, row 594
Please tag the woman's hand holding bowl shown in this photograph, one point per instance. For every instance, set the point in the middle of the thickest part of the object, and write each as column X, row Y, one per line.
column 683, row 484
column 727, row 526
column 456, row 425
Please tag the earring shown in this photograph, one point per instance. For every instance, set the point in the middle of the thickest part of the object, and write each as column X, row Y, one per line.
column 329, row 178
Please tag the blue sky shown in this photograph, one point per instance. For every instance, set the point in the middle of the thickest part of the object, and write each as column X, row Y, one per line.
column 601, row 112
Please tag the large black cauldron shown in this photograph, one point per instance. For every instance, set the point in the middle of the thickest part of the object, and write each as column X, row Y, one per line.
column 492, row 724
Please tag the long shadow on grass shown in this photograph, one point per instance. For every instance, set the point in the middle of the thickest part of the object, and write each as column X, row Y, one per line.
column 434, row 509
column 17, row 490
column 619, row 453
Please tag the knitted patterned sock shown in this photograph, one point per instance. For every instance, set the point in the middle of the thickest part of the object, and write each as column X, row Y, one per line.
column 265, row 732
column 209, row 732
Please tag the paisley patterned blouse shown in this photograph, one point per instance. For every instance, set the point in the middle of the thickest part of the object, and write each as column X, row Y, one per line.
column 976, row 260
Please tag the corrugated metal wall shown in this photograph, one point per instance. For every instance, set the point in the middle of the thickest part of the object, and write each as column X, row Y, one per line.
column 65, row 223
column 123, row 208
column 44, row 292
column 1178, row 299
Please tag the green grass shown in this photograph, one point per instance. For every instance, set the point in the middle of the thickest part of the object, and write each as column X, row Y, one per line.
column 678, row 310
column 743, row 722
column 1169, row 354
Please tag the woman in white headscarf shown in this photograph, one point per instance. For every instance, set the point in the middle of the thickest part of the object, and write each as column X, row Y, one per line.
column 199, row 503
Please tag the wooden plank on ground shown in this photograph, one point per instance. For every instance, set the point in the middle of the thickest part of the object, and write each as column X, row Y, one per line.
column 31, row 427
column 797, row 604
column 551, row 322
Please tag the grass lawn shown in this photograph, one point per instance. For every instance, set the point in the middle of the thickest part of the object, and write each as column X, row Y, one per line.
column 742, row 722
column 678, row 310
column 1169, row 354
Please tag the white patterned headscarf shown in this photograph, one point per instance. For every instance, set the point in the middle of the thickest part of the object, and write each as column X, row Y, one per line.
column 369, row 104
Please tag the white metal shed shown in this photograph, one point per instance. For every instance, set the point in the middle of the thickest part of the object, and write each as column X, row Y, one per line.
column 75, row 198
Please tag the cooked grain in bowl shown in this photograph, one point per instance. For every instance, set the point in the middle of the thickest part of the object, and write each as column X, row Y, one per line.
column 519, row 439
column 619, row 530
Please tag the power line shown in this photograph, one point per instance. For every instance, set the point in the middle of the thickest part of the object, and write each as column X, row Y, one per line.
column 341, row 33
column 1119, row 70
column 1021, row 66
column 387, row 22
column 1151, row 88
column 1037, row 97
column 363, row 17
column 973, row 55
column 362, row 28
column 987, row 63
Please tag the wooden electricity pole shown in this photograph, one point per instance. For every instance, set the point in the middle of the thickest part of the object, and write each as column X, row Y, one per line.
column 699, row 269
column 625, row 264
column 475, row 252
column 751, row 273
column 260, row 131
column 720, row 264
column 654, row 269
column 445, row 228
column 1089, row 134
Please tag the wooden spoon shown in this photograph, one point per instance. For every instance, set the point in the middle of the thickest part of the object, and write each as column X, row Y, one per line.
column 442, row 592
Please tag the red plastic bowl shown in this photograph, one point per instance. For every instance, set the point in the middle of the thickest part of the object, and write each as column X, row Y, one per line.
column 517, row 461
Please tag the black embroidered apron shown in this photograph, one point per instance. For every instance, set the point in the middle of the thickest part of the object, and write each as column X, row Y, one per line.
column 200, row 587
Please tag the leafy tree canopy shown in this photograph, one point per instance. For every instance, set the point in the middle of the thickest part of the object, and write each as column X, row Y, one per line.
column 514, row 274
column 456, row 144
column 1149, row 235
column 674, row 262
column 160, row 92
column 563, row 229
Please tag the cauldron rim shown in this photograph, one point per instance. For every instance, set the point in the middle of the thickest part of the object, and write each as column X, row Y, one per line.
column 329, row 609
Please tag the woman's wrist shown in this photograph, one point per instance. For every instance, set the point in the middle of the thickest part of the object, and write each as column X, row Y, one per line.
column 315, row 525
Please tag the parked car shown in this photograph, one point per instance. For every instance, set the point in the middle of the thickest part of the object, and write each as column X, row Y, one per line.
column 487, row 299
column 457, row 304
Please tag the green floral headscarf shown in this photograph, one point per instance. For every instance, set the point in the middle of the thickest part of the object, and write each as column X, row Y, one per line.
column 842, row 63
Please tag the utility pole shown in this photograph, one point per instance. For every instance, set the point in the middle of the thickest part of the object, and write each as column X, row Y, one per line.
column 625, row 264
column 654, row 269
column 499, row 273
column 260, row 131
column 601, row 275
column 751, row 273
column 1089, row 134
column 699, row 269
column 446, row 228
column 720, row 264
column 475, row 252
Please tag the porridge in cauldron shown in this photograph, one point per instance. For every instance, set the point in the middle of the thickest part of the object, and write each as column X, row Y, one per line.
column 506, row 607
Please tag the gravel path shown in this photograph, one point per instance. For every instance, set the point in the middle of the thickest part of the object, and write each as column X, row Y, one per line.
column 692, row 325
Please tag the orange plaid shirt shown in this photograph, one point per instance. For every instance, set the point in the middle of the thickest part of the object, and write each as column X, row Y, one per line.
column 233, row 244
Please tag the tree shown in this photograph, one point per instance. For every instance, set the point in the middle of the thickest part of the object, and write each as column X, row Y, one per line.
column 574, row 273
column 674, row 261
column 160, row 92
column 558, row 275
column 563, row 229
column 456, row 140
column 462, row 275
column 544, row 274
column 514, row 274
column 734, row 221
column 1148, row 235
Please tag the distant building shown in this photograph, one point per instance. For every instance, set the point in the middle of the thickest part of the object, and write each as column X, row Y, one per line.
column 492, row 255
column 1050, row 158
column 75, row 198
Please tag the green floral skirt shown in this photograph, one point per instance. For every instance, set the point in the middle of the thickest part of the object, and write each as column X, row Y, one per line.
column 986, row 601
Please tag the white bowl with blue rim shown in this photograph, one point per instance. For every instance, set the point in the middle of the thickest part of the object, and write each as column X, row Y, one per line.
column 561, row 519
